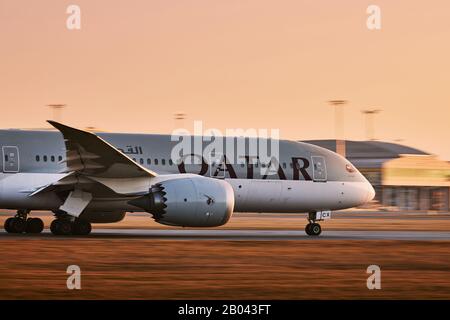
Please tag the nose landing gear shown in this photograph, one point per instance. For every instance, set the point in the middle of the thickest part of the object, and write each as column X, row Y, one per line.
column 313, row 228
column 21, row 224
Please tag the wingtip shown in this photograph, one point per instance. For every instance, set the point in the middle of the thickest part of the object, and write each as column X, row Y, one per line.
column 65, row 128
column 61, row 127
column 58, row 125
column 53, row 123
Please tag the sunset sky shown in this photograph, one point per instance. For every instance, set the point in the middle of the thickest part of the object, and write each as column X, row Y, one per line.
column 232, row 64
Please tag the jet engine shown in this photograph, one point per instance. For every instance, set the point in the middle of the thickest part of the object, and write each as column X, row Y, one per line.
column 189, row 202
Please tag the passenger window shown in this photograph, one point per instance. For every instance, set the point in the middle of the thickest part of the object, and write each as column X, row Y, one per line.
column 170, row 162
column 45, row 158
column 60, row 158
column 52, row 158
column 284, row 165
column 156, row 162
column 163, row 162
column 141, row 161
column 38, row 158
column 134, row 159
column 149, row 161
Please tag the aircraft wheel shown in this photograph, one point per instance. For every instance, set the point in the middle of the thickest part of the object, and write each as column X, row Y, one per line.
column 315, row 229
column 61, row 227
column 7, row 225
column 16, row 225
column 34, row 225
column 81, row 227
column 54, row 226
column 308, row 229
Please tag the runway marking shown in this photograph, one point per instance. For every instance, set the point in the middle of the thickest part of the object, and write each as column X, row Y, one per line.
column 243, row 235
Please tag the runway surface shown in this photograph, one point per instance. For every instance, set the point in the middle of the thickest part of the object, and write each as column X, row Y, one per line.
column 245, row 235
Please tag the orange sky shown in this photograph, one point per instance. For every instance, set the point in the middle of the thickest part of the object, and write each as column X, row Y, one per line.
column 232, row 64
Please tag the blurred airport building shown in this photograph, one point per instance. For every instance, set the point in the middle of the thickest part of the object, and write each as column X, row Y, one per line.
column 403, row 177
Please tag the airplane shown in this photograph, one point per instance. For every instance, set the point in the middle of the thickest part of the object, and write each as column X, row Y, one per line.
column 85, row 177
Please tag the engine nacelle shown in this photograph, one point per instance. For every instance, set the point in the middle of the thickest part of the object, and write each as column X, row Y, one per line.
column 189, row 202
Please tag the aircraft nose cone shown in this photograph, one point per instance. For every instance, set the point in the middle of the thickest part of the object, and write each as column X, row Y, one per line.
column 370, row 192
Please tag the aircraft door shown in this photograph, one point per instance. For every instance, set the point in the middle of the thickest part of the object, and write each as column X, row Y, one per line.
column 10, row 159
column 319, row 168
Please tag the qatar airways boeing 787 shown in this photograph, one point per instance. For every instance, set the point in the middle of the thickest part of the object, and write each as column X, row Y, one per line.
column 86, row 178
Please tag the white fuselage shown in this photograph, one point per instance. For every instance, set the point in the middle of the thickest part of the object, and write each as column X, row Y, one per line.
column 255, row 195
column 293, row 189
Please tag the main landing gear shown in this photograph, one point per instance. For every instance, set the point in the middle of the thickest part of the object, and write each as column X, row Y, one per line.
column 20, row 223
column 64, row 226
column 313, row 228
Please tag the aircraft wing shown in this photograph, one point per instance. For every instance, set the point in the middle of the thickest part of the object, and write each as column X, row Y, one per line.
column 88, row 154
